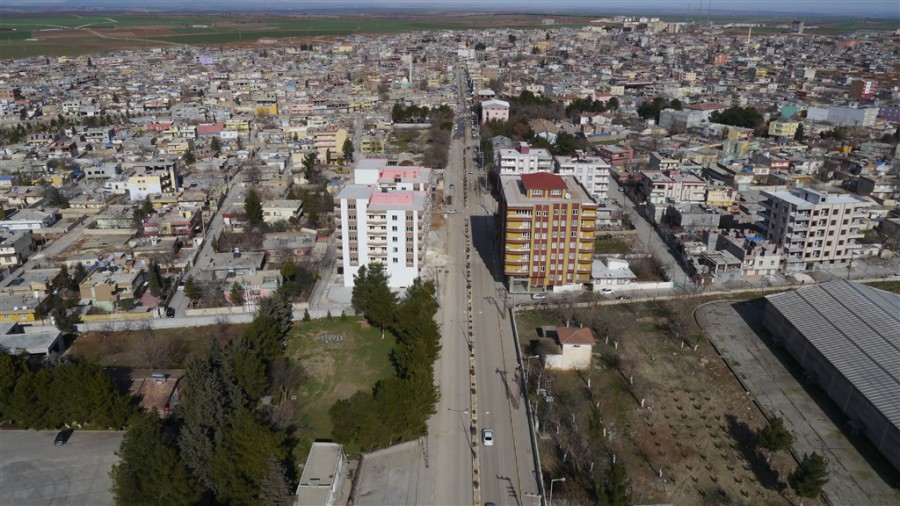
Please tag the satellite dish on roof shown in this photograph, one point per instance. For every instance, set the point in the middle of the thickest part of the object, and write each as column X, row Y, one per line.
column 567, row 195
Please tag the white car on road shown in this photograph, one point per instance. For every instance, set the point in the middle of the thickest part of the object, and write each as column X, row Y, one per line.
column 487, row 437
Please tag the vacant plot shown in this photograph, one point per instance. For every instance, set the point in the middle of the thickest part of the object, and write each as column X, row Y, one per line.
column 611, row 247
column 336, row 369
column 676, row 417
column 142, row 348
column 407, row 140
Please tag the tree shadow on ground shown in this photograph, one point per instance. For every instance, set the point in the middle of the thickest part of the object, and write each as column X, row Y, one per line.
column 746, row 439
column 752, row 312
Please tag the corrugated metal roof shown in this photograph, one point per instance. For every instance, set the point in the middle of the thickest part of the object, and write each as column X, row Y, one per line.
column 857, row 329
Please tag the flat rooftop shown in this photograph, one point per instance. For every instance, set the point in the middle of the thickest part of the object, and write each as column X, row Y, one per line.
column 514, row 193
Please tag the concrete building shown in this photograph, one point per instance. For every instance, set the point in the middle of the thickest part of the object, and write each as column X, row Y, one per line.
column 281, row 210
column 783, row 129
column 862, row 89
column 879, row 187
column 846, row 338
column 815, row 228
column 33, row 340
column 494, row 110
column 150, row 178
column 31, row 219
column 844, row 116
column 574, row 348
column 611, row 273
column 383, row 218
column 322, row 475
column 15, row 247
column 524, row 160
column 592, row 172
column 547, row 225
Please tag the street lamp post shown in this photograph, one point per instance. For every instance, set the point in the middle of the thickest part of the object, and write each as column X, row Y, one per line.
column 551, row 489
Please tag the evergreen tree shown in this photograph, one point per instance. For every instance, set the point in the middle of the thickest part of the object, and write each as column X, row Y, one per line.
column 155, row 279
column 253, row 209
column 240, row 466
column 774, row 436
column 264, row 337
column 211, row 395
column 800, row 134
column 215, row 144
column 250, row 372
column 149, row 471
column 79, row 275
column 237, row 294
column 279, row 308
column 348, row 150
column 615, row 488
column 192, row 290
column 275, row 489
column 810, row 476
column 372, row 296
column 306, row 316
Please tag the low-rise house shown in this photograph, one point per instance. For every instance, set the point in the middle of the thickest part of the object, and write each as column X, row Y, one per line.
column 23, row 306
column 182, row 223
column 611, row 273
column 228, row 264
column 281, row 210
column 256, row 285
column 158, row 391
column 31, row 219
column 34, row 340
column 322, row 475
column 574, row 347
column 106, row 288
column 15, row 247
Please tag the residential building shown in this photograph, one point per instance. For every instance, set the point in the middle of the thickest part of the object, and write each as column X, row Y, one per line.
column 15, row 247
column 615, row 154
column 281, row 210
column 815, row 228
column 30, row 219
column 329, row 142
column 611, row 273
column 547, row 225
column 862, row 89
column 383, row 217
column 524, row 160
column 678, row 188
column 149, row 178
column 183, row 223
column 16, row 338
column 783, row 129
column 104, row 289
column 322, row 475
column 494, row 110
column 879, row 187
column 591, row 171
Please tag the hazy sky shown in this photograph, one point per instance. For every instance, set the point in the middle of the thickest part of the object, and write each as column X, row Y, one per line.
column 856, row 8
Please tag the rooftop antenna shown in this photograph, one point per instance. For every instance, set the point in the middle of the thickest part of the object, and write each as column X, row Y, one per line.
column 749, row 31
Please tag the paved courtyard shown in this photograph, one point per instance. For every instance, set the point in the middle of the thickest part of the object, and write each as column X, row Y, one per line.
column 35, row 472
column 852, row 478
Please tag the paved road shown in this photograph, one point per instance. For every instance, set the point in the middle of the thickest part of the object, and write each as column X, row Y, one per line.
column 648, row 236
column 179, row 301
column 449, row 457
column 34, row 472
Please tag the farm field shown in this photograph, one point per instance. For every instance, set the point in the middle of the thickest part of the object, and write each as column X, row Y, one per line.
column 71, row 34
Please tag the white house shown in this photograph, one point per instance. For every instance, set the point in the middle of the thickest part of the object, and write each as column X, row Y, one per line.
column 494, row 110
column 575, row 348
column 611, row 273
column 524, row 160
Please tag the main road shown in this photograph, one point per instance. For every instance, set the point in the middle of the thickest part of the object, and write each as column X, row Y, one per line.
column 507, row 471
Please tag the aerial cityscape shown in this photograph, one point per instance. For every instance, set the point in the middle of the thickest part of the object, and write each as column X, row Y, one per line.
column 404, row 253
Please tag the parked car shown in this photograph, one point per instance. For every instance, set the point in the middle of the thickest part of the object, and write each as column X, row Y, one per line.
column 538, row 296
column 170, row 312
column 606, row 291
column 62, row 437
column 623, row 297
column 487, row 437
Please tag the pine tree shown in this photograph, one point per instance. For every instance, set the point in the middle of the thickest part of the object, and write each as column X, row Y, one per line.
column 348, row 150
column 149, row 471
column 155, row 280
column 615, row 489
column 774, row 436
column 306, row 316
column 237, row 294
column 215, row 144
column 240, row 467
column 253, row 209
column 278, row 307
column 191, row 290
column 810, row 476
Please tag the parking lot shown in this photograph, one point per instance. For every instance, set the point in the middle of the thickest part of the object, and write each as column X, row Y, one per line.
column 34, row 471
column 852, row 478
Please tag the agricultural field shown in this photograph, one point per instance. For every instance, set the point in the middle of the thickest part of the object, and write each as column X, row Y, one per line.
column 675, row 417
column 71, row 34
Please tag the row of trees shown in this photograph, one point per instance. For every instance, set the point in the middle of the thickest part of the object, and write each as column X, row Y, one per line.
column 409, row 114
column 221, row 446
column 51, row 396
column 651, row 109
column 397, row 409
column 582, row 105
column 745, row 117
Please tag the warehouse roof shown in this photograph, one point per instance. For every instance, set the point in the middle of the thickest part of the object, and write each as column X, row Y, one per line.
column 857, row 329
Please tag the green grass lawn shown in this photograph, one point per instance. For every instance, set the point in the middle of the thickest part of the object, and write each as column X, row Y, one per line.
column 335, row 370
column 611, row 247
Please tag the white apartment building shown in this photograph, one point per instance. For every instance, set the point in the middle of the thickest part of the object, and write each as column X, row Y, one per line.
column 592, row 172
column 524, row 160
column 815, row 228
column 678, row 188
column 384, row 218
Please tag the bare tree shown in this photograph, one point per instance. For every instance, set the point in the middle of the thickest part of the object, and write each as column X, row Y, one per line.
column 565, row 308
column 149, row 350
column 286, row 374
column 283, row 415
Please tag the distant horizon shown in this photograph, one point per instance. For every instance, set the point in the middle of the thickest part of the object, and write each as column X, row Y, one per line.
column 817, row 9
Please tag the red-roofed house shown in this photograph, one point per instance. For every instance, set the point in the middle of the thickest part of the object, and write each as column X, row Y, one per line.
column 575, row 345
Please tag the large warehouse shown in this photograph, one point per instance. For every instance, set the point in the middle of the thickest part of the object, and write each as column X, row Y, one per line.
column 846, row 336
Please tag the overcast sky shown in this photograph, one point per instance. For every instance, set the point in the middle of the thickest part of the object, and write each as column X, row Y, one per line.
column 856, row 8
